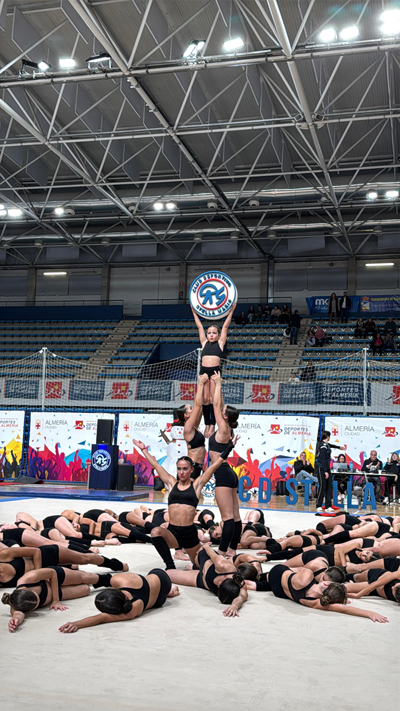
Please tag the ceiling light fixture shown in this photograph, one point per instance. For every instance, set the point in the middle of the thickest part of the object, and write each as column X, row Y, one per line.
column 41, row 66
column 194, row 49
column 232, row 44
column 14, row 212
column 349, row 33
column 235, row 235
column 328, row 35
column 197, row 237
column 372, row 195
column 54, row 273
column 212, row 205
column 67, row 63
column 390, row 29
column 392, row 194
column 3, row 211
column 380, row 264
column 99, row 61
column 158, row 205
column 171, row 206
column 59, row 211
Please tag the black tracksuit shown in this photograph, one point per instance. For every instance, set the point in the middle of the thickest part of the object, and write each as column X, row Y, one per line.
column 322, row 465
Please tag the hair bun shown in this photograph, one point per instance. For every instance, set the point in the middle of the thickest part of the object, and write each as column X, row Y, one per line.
column 234, row 425
column 127, row 607
column 6, row 599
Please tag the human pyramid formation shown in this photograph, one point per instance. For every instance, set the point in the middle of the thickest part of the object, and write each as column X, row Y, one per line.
column 346, row 556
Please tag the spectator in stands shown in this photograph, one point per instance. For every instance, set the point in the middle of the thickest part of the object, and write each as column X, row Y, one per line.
column 359, row 329
column 376, row 344
column 388, row 342
column 259, row 313
column 390, row 327
column 251, row 314
column 275, row 313
column 369, row 327
column 333, row 307
column 285, row 315
column 392, row 466
column 308, row 373
column 295, row 321
column 320, row 337
column 242, row 319
column 303, row 469
column 266, row 313
column 310, row 340
column 345, row 305
column 370, row 466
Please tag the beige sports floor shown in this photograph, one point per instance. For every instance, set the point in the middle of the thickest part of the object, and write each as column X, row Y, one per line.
column 187, row 657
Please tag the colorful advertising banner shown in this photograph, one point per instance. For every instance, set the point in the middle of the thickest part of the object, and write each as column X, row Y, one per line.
column 60, row 444
column 369, row 304
column 11, row 438
column 362, row 434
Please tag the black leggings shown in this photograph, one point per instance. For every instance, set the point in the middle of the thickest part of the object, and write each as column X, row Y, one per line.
column 325, row 487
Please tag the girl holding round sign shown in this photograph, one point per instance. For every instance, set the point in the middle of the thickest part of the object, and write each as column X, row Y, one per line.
column 212, row 296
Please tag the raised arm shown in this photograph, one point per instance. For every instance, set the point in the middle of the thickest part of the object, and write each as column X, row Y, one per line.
column 224, row 329
column 94, row 620
column 162, row 473
column 202, row 335
column 194, row 418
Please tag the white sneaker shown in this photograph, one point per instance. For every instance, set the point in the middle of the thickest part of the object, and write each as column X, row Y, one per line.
column 386, row 500
column 320, row 508
column 329, row 510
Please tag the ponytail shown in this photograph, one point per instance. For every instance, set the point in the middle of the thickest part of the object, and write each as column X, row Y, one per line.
column 113, row 602
column 232, row 415
column 6, row 599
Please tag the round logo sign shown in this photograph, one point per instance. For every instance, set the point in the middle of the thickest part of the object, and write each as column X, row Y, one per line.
column 212, row 294
column 101, row 460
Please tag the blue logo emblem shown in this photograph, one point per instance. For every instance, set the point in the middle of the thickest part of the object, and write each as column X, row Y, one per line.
column 212, row 294
column 101, row 460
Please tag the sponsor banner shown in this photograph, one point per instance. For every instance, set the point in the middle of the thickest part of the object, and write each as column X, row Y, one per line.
column 320, row 304
column 268, row 445
column 297, row 394
column 212, row 295
column 362, row 434
column 87, row 390
column 165, row 441
column 370, row 304
column 11, row 438
column 60, row 444
column 306, row 394
column 233, row 393
column 21, row 389
column 154, row 390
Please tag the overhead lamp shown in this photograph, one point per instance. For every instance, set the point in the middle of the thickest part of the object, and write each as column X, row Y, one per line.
column 171, row 206
column 3, row 211
column 158, row 205
column 392, row 194
column 372, row 195
column 390, row 29
column 59, row 211
column 197, row 237
column 38, row 243
column 235, row 235
column 66, row 63
column 390, row 16
column 212, row 205
column 41, row 66
column 232, row 44
column 54, row 273
column 349, row 33
column 380, row 264
column 14, row 212
column 99, row 61
column 105, row 241
column 328, row 35
column 194, row 49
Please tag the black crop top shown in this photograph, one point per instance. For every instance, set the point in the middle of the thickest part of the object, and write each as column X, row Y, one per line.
column 19, row 566
column 183, row 496
column 142, row 593
column 212, row 349
column 215, row 446
column 198, row 440
column 298, row 595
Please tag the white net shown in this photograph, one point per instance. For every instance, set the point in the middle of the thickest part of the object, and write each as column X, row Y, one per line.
column 357, row 383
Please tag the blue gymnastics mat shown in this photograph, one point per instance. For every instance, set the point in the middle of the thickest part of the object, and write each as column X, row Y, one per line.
column 69, row 492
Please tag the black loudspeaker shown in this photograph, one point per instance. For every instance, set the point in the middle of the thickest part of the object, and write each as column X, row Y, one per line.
column 126, row 477
column 104, row 434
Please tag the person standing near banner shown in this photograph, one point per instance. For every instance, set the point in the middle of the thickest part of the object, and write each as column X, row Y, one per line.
column 345, row 305
column 212, row 344
column 323, row 471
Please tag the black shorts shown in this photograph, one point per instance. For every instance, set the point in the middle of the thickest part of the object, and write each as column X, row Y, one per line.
column 93, row 514
column 225, row 476
column 106, row 528
column 13, row 534
column 50, row 556
column 49, row 521
column 197, row 470
column 185, row 535
column 165, row 586
column 391, row 564
column 60, row 572
column 313, row 555
column 46, row 531
column 328, row 550
column 210, row 371
column 373, row 575
column 202, row 558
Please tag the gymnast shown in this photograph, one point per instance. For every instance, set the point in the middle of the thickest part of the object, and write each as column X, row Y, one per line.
column 218, row 575
column 364, row 529
column 213, row 344
column 340, row 554
column 182, row 503
column 379, row 582
column 315, row 561
column 190, row 418
column 61, row 523
column 226, row 481
column 296, row 539
column 303, row 588
column 49, row 586
column 129, row 596
column 15, row 562
column 11, row 534
column 360, row 571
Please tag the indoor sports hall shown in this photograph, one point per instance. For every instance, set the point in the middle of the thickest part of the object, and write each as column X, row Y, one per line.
column 199, row 354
